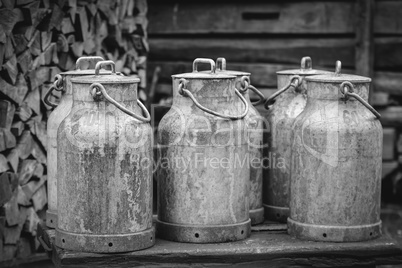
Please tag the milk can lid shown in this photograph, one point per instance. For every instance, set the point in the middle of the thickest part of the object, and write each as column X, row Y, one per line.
column 306, row 68
column 112, row 78
column 212, row 74
column 338, row 77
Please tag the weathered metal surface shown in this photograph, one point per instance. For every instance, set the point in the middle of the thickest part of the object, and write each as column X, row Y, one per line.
column 203, row 178
column 104, row 168
column 280, row 117
column 255, row 127
column 53, row 123
column 336, row 164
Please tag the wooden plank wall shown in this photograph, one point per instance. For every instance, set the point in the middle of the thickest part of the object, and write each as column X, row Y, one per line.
column 263, row 37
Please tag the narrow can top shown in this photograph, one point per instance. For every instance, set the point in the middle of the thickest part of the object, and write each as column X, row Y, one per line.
column 212, row 74
column 79, row 66
column 306, row 68
column 338, row 77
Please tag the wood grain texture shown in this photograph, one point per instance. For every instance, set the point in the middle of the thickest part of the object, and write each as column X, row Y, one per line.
column 260, row 250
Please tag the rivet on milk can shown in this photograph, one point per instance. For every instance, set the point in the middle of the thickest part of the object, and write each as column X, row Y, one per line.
column 105, row 167
column 289, row 102
column 203, row 177
column 62, row 83
column 336, row 162
column 255, row 127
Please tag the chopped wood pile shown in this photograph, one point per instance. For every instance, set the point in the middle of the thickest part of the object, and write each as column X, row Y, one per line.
column 39, row 39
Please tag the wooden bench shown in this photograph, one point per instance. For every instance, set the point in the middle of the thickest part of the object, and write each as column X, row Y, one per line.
column 268, row 246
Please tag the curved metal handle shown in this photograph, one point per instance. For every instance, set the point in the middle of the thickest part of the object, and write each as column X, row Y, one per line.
column 186, row 92
column 290, row 84
column 221, row 64
column 306, row 63
column 43, row 243
column 97, row 90
column 80, row 60
column 203, row 60
column 57, row 85
column 104, row 63
column 346, row 89
column 245, row 85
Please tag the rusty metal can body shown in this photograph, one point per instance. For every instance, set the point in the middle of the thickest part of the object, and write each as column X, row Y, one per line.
column 105, row 168
column 62, row 83
column 336, row 163
column 202, row 190
column 255, row 127
column 280, row 118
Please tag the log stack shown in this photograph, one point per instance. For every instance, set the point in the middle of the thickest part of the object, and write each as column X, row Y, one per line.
column 38, row 39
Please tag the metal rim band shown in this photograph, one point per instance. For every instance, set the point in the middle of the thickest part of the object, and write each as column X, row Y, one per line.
column 51, row 218
column 273, row 213
column 328, row 233
column 203, row 233
column 257, row 216
column 105, row 243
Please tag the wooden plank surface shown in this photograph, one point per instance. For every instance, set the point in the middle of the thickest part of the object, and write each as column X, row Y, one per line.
column 323, row 51
column 188, row 17
column 261, row 249
column 269, row 17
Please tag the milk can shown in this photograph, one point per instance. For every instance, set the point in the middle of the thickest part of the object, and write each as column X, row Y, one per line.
column 255, row 128
column 105, row 167
column 336, row 162
column 62, row 83
column 290, row 101
column 203, row 177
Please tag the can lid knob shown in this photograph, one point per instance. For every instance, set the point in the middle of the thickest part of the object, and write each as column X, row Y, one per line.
column 306, row 63
column 221, row 64
column 338, row 67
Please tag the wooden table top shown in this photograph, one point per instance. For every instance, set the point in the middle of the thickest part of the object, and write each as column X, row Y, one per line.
column 268, row 245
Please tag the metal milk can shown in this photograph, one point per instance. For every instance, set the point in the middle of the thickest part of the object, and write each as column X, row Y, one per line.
column 290, row 101
column 336, row 162
column 62, row 83
column 255, row 128
column 203, row 177
column 105, row 167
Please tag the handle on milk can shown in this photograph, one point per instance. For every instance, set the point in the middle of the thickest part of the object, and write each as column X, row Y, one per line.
column 346, row 89
column 203, row 60
column 294, row 82
column 185, row 92
column 97, row 89
column 80, row 60
column 104, row 63
column 245, row 85
column 58, row 86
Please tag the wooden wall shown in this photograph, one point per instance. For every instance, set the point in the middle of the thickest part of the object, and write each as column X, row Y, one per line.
column 38, row 39
column 263, row 37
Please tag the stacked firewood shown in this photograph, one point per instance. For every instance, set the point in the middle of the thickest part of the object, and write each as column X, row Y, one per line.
column 38, row 39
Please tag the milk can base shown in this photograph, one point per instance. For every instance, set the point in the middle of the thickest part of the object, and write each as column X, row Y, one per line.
column 257, row 216
column 203, row 233
column 105, row 243
column 51, row 218
column 273, row 213
column 334, row 233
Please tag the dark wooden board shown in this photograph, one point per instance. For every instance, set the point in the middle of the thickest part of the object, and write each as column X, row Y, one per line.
column 251, row 17
column 269, row 17
column 262, row 249
column 323, row 51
